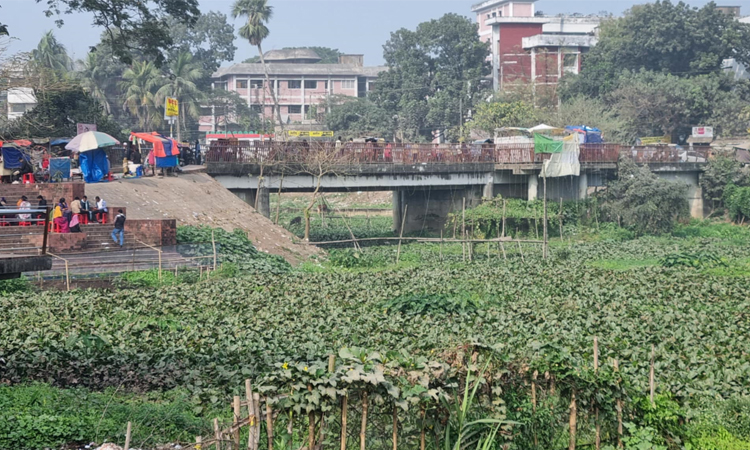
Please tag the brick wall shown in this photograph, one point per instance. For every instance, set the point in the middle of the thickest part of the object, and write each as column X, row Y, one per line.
column 157, row 232
column 59, row 243
column 51, row 191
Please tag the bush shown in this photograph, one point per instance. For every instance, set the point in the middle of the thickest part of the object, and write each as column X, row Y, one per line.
column 14, row 285
column 737, row 201
column 643, row 202
column 720, row 172
column 38, row 416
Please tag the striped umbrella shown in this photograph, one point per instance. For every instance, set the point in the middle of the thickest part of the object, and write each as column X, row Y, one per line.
column 91, row 140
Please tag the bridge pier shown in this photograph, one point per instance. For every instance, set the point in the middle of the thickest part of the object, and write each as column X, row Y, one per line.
column 695, row 191
column 248, row 196
column 533, row 187
column 428, row 209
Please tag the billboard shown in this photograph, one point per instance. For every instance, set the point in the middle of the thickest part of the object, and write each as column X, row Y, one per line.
column 297, row 133
column 171, row 107
column 84, row 127
column 703, row 131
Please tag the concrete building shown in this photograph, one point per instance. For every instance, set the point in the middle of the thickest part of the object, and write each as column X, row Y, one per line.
column 18, row 101
column 532, row 48
column 302, row 85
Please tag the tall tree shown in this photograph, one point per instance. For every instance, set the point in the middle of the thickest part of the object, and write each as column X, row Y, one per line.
column 132, row 25
column 662, row 37
column 183, row 74
column 358, row 117
column 435, row 75
column 139, row 85
column 258, row 13
column 210, row 40
column 50, row 54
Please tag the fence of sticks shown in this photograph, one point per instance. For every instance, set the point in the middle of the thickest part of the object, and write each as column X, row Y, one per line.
column 365, row 403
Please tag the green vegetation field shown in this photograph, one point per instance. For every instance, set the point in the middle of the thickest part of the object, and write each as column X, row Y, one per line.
column 198, row 341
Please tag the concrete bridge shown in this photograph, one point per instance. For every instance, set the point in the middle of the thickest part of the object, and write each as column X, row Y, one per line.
column 433, row 180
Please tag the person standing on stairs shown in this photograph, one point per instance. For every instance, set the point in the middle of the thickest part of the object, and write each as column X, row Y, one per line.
column 119, row 228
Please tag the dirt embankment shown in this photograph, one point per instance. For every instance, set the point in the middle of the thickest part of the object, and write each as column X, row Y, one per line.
column 198, row 199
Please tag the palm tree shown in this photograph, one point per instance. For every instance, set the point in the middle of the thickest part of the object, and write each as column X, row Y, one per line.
column 95, row 81
column 181, row 85
column 258, row 13
column 139, row 83
column 51, row 54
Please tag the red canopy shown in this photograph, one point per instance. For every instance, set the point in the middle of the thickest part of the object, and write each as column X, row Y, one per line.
column 163, row 146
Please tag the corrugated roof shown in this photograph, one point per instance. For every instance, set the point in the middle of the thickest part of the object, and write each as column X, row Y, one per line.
column 276, row 69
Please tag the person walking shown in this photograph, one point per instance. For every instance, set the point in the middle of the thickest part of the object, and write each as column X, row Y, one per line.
column 119, row 228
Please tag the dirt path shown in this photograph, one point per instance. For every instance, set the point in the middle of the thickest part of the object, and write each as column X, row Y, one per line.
column 198, row 199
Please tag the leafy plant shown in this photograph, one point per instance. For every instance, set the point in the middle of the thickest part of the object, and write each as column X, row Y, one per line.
column 696, row 260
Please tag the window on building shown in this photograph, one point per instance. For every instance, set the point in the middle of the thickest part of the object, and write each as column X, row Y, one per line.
column 18, row 108
column 311, row 84
column 348, row 84
column 255, row 84
column 294, row 84
column 325, row 85
column 294, row 109
column 494, row 14
column 570, row 62
column 488, row 16
column 240, row 84
column 256, row 109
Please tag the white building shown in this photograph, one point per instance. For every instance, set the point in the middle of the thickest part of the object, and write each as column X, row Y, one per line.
column 19, row 101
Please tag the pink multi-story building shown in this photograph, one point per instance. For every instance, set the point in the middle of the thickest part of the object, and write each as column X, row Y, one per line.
column 302, row 85
column 530, row 47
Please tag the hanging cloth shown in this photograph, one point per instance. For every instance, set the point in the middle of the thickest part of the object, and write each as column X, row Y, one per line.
column 565, row 163
column 544, row 144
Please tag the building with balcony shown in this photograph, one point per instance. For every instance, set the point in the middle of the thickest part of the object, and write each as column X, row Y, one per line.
column 19, row 100
column 302, row 85
column 532, row 48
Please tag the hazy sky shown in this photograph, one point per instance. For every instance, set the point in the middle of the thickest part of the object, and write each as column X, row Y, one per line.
column 352, row 26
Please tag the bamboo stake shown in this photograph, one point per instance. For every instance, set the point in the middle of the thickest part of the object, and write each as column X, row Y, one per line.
column 560, row 218
column 290, row 429
column 127, row 436
column 344, row 410
column 213, row 243
column 250, row 414
column 502, row 247
column 217, row 434
column 521, row 252
column 503, row 235
column 363, row 429
column 651, row 380
column 311, row 430
column 533, row 390
column 618, row 407
column 596, row 408
column 331, row 363
column 545, row 251
column 198, row 442
column 395, row 428
column 236, row 420
column 401, row 234
column 441, row 245
column 256, row 406
column 573, row 420
column 269, row 424
column 463, row 228
column 422, row 434
column 278, row 199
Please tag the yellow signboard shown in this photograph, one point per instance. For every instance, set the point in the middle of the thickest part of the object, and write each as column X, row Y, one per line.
column 172, row 107
column 297, row 133
column 655, row 140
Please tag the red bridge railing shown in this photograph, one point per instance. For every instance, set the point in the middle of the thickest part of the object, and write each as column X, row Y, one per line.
column 379, row 153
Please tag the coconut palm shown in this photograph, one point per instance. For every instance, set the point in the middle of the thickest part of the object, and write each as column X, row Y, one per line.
column 51, row 54
column 183, row 73
column 258, row 13
column 140, row 83
column 96, row 81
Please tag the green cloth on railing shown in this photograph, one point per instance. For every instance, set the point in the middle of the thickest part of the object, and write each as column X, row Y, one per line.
column 543, row 144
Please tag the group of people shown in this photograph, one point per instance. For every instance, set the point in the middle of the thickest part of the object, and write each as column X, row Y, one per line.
column 67, row 217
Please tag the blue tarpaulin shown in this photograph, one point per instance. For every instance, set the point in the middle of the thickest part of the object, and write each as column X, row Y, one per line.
column 94, row 165
column 590, row 135
column 169, row 161
column 59, row 168
column 13, row 157
column 60, row 141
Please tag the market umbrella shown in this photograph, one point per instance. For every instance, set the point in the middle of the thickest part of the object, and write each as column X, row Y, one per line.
column 91, row 140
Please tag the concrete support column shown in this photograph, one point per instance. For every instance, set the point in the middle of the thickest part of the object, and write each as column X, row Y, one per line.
column 583, row 186
column 533, row 187
column 489, row 189
column 248, row 196
column 695, row 198
column 397, row 210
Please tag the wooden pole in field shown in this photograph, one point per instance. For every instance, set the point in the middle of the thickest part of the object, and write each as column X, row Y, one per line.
column 502, row 247
column 560, row 219
column 533, row 401
column 269, row 424
column 572, row 424
column 198, row 443
column 250, row 414
column 128, row 431
column 363, row 428
column 545, row 251
column 521, row 252
column 441, row 245
column 463, row 229
column 217, row 434
column 236, row 419
column 213, row 243
column 395, row 427
column 256, row 406
column 503, row 235
column 344, row 410
column 422, row 436
column 651, row 380
column 401, row 234
column 598, row 437
column 618, row 407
